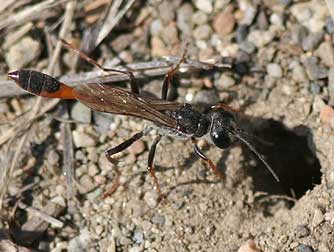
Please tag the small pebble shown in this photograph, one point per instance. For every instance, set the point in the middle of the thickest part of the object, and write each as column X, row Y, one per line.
column 298, row 34
column 304, row 248
column 249, row 246
column 262, row 21
column 206, row 97
column 274, row 70
column 86, row 184
column 298, row 73
column 302, row 231
column 199, row 18
column 184, row 15
column 158, row 219
column 329, row 25
column 326, row 53
column 204, row 5
column 92, row 170
column 311, row 41
column 22, row 53
column 81, row 113
column 327, row 115
column 224, row 23
column 151, row 198
column 314, row 70
column 331, row 84
column 247, row 47
column 293, row 245
column 82, row 139
column 261, row 38
column 166, row 12
column 318, row 217
column 225, row 81
column 137, row 147
column 138, row 236
column 242, row 33
column 202, row 32
column 314, row 88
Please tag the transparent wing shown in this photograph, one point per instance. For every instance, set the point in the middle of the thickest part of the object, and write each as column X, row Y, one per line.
column 114, row 100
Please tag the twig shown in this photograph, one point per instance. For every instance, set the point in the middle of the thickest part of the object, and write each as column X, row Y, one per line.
column 141, row 70
column 42, row 215
column 29, row 13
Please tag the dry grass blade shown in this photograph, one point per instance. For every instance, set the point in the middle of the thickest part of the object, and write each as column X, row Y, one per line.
column 23, row 129
column 68, row 158
column 114, row 16
column 5, row 4
column 29, row 13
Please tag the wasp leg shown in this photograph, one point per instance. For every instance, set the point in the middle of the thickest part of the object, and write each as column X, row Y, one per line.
column 150, row 166
column 170, row 75
column 123, row 146
column 212, row 166
column 133, row 84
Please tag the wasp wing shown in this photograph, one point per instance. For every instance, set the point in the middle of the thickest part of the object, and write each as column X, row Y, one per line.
column 114, row 100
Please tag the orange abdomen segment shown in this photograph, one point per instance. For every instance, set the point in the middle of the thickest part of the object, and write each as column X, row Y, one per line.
column 41, row 84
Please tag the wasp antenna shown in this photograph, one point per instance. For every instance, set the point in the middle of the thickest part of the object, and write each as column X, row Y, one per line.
column 258, row 155
column 259, row 139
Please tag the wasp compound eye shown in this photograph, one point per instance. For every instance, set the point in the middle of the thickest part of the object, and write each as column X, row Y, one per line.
column 221, row 138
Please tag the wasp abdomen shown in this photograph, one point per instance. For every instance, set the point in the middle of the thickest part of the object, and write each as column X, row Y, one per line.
column 41, row 84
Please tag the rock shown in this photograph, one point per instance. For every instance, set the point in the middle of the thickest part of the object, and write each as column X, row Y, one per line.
column 314, row 88
column 298, row 73
column 225, row 82
column 314, row 70
column 158, row 47
column 304, row 248
column 326, row 53
column 274, row 70
column 137, row 147
column 81, row 113
column 169, row 34
column 82, row 242
column 247, row 47
column 86, row 184
column 166, row 12
column 331, row 84
column 302, row 231
column 262, row 21
column 298, row 34
column 224, row 23
column 156, row 27
column 249, row 246
column 329, row 25
column 248, row 12
column 151, row 198
column 242, row 33
column 82, row 139
column 102, row 121
column 184, row 16
column 312, row 41
column 199, row 18
column 261, row 38
column 204, row 5
column 202, row 32
column 327, row 115
column 206, row 97
column 22, row 53
column 318, row 217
